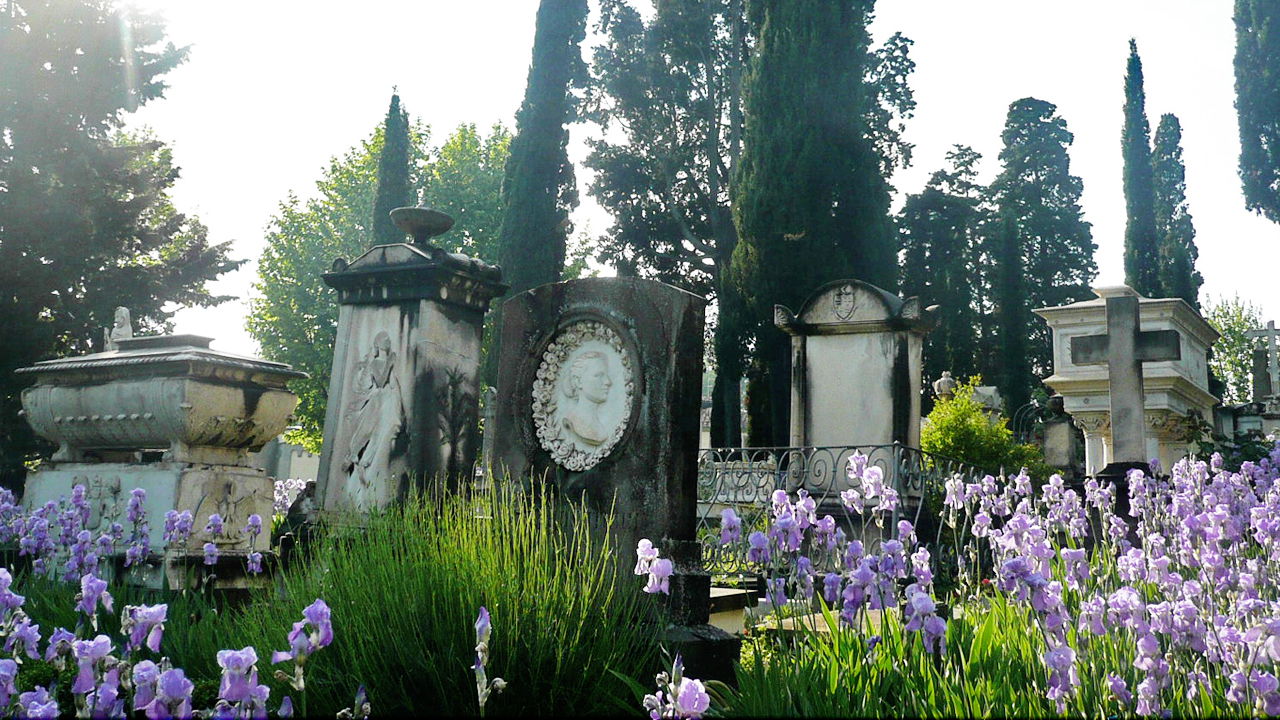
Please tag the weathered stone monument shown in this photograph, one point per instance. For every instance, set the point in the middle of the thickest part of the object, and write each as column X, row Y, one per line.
column 403, row 395
column 944, row 388
column 599, row 387
column 856, row 366
column 1132, row 371
column 171, row 416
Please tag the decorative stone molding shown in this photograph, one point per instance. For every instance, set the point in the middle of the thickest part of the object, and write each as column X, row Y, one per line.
column 1169, row 426
column 578, row 415
column 1093, row 423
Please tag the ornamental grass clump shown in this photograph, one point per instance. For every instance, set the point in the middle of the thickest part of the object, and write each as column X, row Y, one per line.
column 407, row 582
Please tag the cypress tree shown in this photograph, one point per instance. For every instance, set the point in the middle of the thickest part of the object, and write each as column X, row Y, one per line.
column 1257, row 66
column 395, row 189
column 539, row 189
column 1039, row 250
column 939, row 229
column 809, row 199
column 1176, row 234
column 1141, row 266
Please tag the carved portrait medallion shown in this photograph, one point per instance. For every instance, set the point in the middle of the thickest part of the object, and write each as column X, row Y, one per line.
column 582, row 394
column 844, row 302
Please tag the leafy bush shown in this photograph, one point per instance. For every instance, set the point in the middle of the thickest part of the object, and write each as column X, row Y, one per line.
column 961, row 428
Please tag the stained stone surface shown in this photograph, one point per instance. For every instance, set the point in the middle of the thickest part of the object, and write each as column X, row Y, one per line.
column 598, row 394
column 856, row 366
column 403, row 403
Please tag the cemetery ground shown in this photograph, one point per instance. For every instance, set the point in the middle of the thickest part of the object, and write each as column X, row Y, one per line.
column 1029, row 600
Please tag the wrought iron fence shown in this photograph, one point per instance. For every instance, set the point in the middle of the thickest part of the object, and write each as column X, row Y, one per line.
column 744, row 479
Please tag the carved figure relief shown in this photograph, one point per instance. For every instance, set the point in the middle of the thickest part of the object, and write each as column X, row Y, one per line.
column 375, row 415
column 583, row 395
column 844, row 302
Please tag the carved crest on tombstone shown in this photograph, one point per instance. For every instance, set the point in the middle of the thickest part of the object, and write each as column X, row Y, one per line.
column 845, row 302
column 583, row 394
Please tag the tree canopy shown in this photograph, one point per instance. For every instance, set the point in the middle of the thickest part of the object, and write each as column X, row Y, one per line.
column 1257, row 68
column 1141, row 254
column 1232, row 357
column 395, row 167
column 1174, row 230
column 294, row 316
column 1038, row 248
column 85, row 217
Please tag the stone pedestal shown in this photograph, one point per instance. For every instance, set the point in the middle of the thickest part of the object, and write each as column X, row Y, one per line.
column 170, row 416
column 403, row 400
column 1173, row 389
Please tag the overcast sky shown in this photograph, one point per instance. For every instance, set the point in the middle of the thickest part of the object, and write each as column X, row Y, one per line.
column 274, row 88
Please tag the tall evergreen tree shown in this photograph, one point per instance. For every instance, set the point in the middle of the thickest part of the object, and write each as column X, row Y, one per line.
column 395, row 189
column 1039, row 250
column 1141, row 252
column 939, row 228
column 1177, row 236
column 810, row 201
column 86, row 222
column 1257, row 66
column 668, row 94
column 539, row 189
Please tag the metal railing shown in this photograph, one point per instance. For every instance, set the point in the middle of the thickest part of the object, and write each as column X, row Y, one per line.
column 744, row 479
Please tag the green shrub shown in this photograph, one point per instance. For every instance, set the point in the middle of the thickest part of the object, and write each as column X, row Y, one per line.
column 960, row 428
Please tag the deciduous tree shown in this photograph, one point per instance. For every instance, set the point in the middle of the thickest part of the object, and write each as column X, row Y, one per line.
column 86, row 223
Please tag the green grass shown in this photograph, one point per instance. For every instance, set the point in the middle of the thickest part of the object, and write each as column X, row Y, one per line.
column 405, row 587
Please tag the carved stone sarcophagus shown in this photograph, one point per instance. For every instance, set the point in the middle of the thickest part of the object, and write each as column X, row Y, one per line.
column 169, row 393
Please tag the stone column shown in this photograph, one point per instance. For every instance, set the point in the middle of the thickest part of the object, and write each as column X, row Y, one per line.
column 403, row 402
column 1096, row 427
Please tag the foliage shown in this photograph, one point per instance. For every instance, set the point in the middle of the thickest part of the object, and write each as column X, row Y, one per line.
column 1174, row 230
column 1141, row 253
column 395, row 169
column 85, row 215
column 1232, row 358
column 1257, row 69
column 668, row 95
column 810, row 200
column 538, row 189
column 961, row 428
column 294, row 317
column 1036, row 231
column 406, row 586
column 939, row 228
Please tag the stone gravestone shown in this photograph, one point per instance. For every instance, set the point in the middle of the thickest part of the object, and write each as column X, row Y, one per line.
column 1260, row 375
column 171, row 416
column 856, row 368
column 599, row 387
column 1163, row 376
column 403, row 399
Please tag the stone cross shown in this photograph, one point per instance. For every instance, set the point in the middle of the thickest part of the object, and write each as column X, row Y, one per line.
column 1273, row 360
column 1123, row 349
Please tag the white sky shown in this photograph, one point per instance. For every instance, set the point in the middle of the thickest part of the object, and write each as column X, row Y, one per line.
column 274, row 88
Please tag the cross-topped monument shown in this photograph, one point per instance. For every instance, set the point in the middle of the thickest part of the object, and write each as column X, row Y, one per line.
column 1123, row 350
column 1273, row 360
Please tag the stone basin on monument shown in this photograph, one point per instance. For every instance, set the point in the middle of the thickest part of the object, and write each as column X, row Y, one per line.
column 169, row 392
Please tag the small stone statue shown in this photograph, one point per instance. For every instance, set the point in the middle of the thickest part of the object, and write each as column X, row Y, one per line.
column 945, row 386
column 121, row 330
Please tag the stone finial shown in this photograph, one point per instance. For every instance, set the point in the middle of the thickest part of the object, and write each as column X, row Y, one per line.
column 122, row 329
column 421, row 223
column 945, row 386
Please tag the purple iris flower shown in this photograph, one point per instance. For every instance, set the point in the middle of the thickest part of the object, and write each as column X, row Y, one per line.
column 646, row 554
column 173, row 696
column 238, row 674
column 145, row 675
column 758, row 552
column 214, row 526
column 318, row 614
column 8, row 681
column 692, row 699
column 37, row 703
column 136, row 512
column 145, row 625
column 254, row 561
column 26, row 635
column 286, row 708
column 831, row 588
column 730, row 527
column 59, row 644
column 210, row 554
column 659, row 577
column 484, row 626
column 93, row 590
column 776, row 591
column 89, row 654
column 254, row 526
